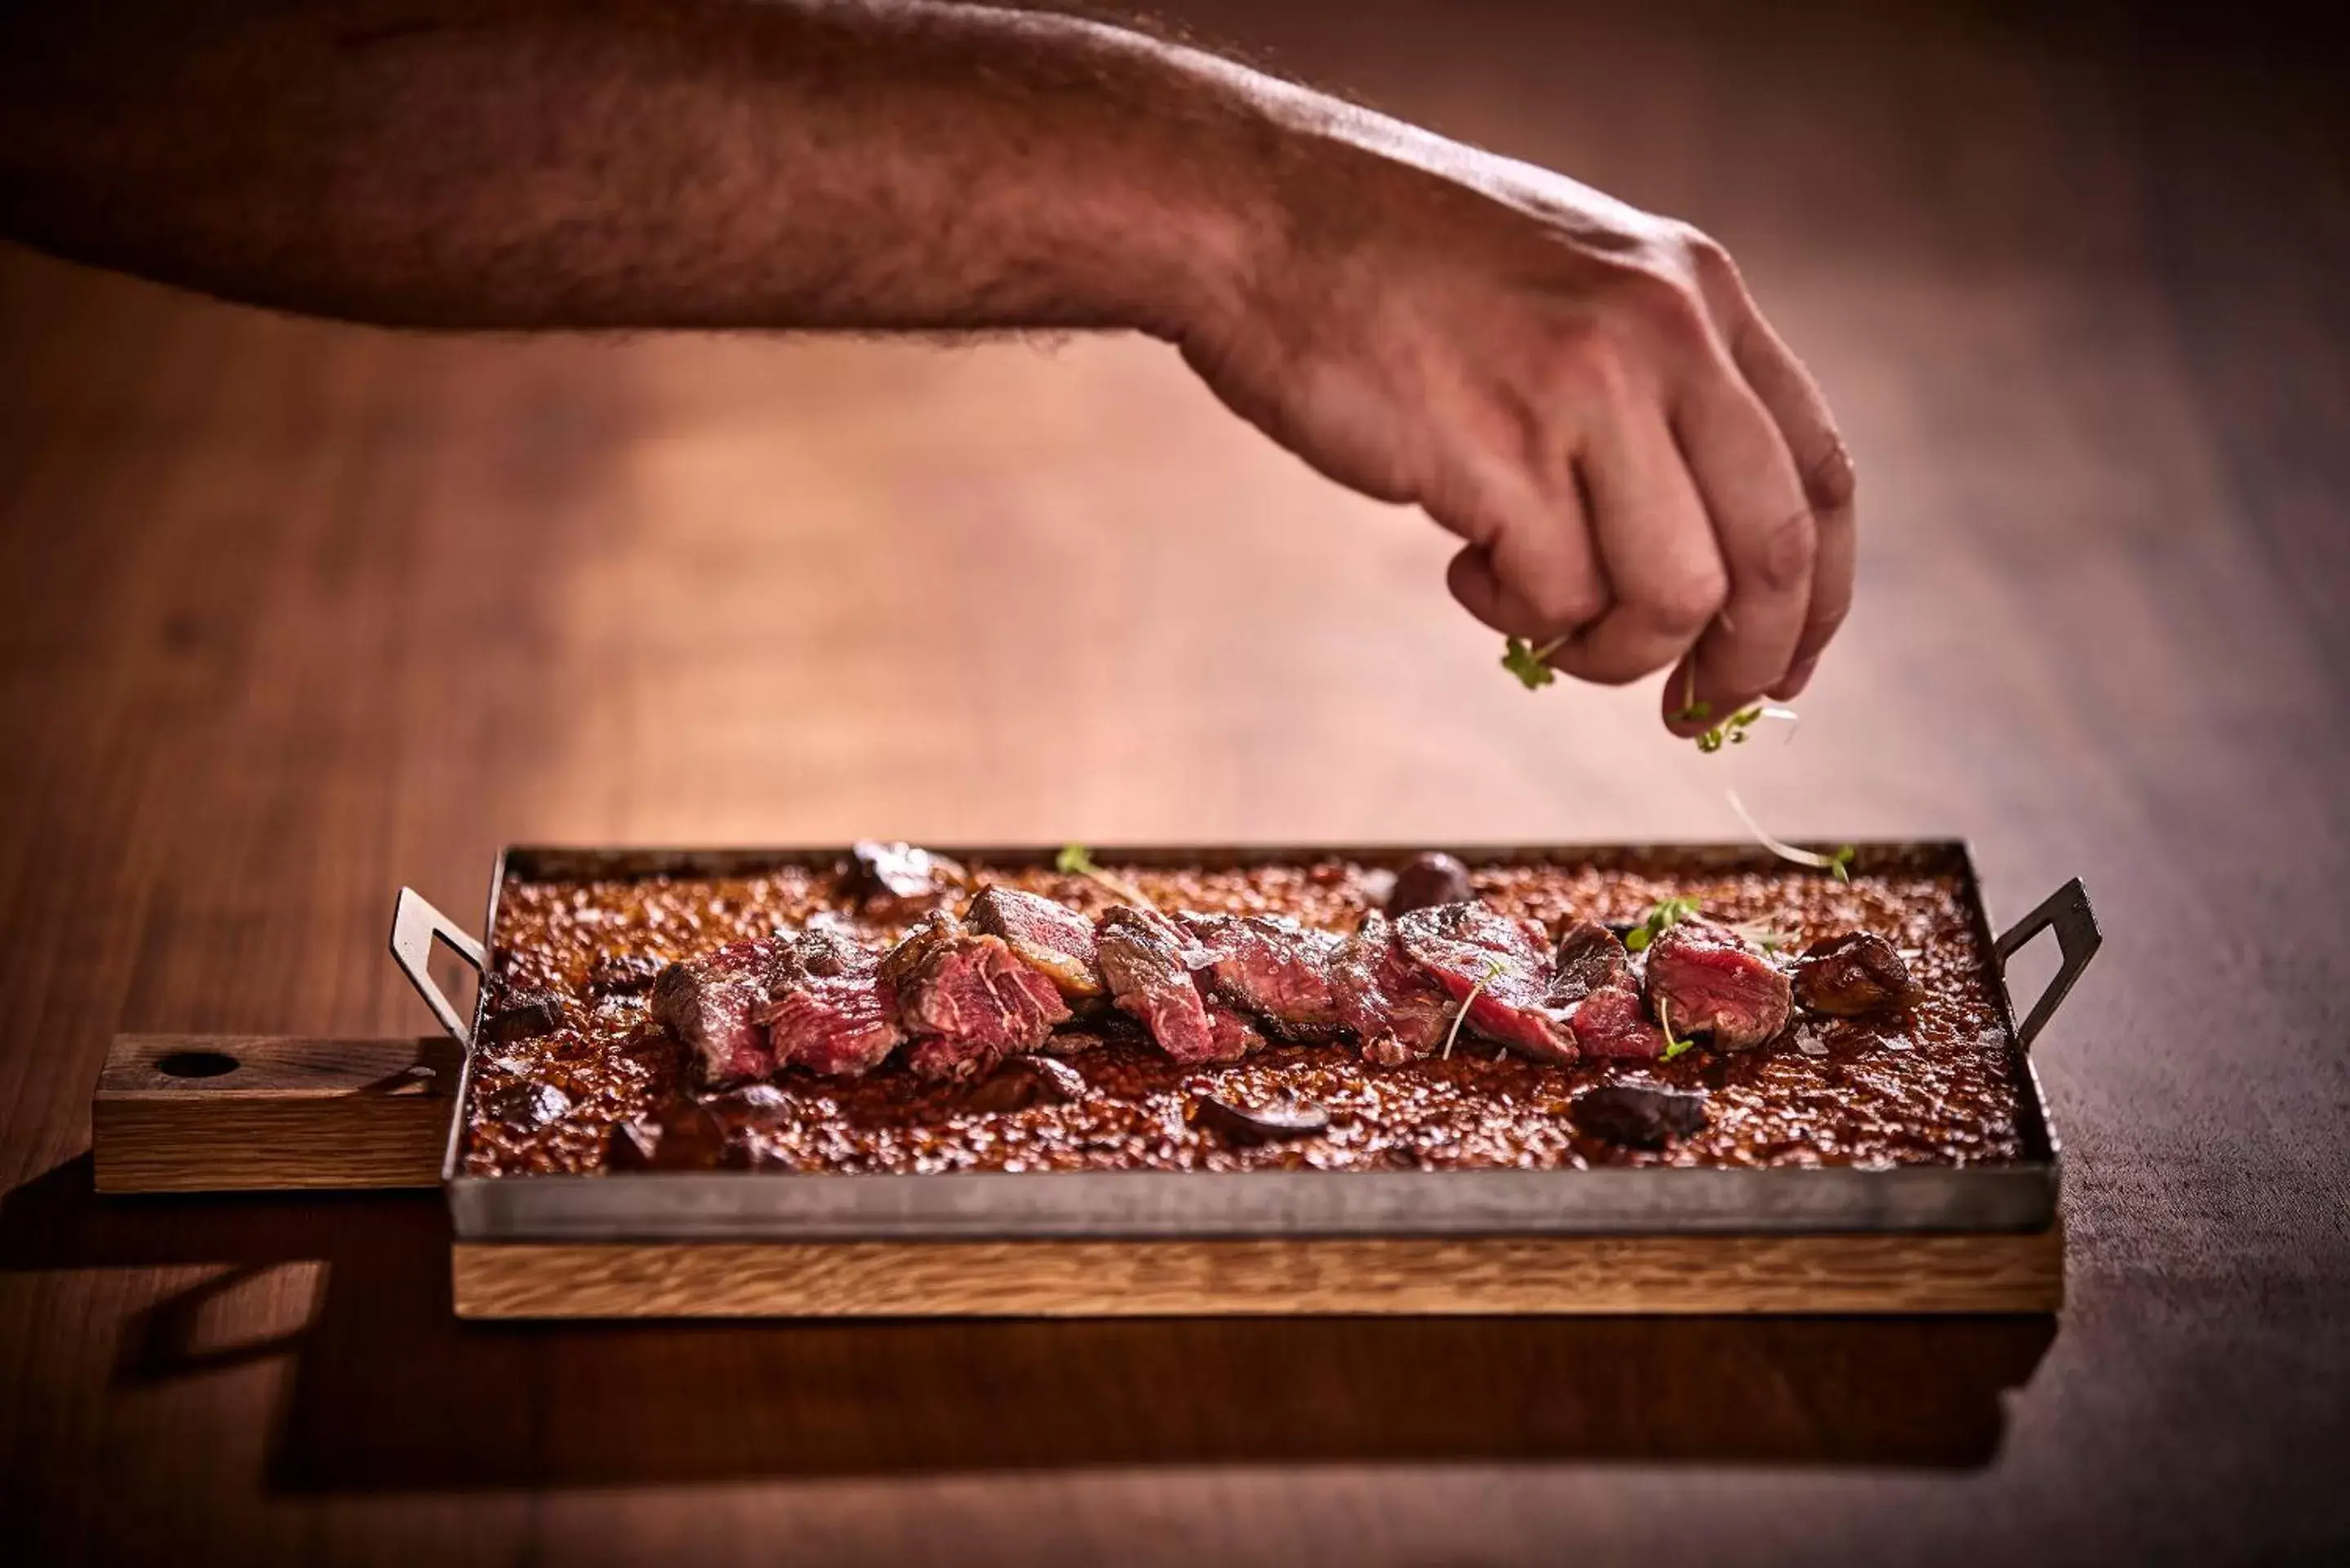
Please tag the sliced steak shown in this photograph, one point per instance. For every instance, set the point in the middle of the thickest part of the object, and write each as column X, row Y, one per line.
column 1611, row 1025
column 967, row 1003
column 1499, row 965
column 713, row 1007
column 1427, row 881
column 1275, row 969
column 1398, row 1010
column 1593, row 986
column 828, row 1008
column 1049, row 937
column 1708, row 980
column 1848, row 976
column 1146, row 962
column 1589, row 958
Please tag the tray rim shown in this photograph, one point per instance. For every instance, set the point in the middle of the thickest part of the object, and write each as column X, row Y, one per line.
column 786, row 1206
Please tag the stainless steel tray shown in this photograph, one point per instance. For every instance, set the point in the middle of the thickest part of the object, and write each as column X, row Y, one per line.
column 793, row 1206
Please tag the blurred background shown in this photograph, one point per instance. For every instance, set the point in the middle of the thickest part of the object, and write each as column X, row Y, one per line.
column 293, row 612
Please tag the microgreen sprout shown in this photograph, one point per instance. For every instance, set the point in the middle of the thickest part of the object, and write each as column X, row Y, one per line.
column 1662, row 917
column 1075, row 860
column 1491, row 970
column 1529, row 661
column 1837, row 864
column 1767, row 937
column 1673, row 1046
column 1734, row 730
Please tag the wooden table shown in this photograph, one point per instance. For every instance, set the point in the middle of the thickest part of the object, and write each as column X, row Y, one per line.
column 294, row 614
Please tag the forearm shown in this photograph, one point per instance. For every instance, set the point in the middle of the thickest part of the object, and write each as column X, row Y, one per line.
column 1641, row 473
column 476, row 163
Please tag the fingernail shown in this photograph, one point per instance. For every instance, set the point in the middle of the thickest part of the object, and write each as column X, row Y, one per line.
column 1797, row 679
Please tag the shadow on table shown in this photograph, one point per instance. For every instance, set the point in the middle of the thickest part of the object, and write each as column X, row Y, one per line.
column 389, row 1391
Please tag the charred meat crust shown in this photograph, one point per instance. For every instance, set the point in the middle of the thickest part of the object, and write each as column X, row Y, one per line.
column 1274, row 968
column 1593, row 985
column 1710, row 980
column 1147, row 962
column 830, row 1008
column 1851, row 976
column 1398, row 1011
column 713, row 1008
column 1050, row 937
column 966, row 1000
column 1497, row 967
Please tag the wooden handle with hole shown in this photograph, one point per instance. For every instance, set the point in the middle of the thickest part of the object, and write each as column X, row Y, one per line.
column 240, row 1113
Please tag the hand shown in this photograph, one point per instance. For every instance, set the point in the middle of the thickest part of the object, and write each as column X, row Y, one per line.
column 1582, row 391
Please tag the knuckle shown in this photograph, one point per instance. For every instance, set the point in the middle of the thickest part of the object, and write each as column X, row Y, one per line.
column 1710, row 261
column 1686, row 606
column 1554, row 596
column 1564, row 606
column 1830, row 480
column 1784, row 561
column 1593, row 364
column 1661, row 307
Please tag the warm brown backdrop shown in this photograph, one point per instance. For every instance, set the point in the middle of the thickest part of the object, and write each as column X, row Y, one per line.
column 292, row 614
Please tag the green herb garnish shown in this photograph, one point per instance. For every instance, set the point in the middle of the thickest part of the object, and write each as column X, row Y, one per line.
column 1673, row 1047
column 1075, row 860
column 1662, row 917
column 1838, row 865
column 1527, row 663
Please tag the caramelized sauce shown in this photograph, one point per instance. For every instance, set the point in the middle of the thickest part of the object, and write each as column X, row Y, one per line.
column 1934, row 1083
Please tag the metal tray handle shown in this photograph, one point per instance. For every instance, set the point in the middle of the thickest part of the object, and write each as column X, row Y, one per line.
column 415, row 926
column 2077, row 940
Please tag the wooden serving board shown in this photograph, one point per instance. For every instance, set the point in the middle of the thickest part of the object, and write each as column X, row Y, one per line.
column 191, row 1114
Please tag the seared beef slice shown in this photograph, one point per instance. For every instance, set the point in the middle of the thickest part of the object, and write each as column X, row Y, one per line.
column 1396, row 1009
column 1275, row 969
column 967, row 1002
column 1146, row 960
column 1499, row 964
column 712, row 1006
column 829, row 1010
column 1593, row 986
column 1856, row 973
column 1050, row 937
column 1707, row 980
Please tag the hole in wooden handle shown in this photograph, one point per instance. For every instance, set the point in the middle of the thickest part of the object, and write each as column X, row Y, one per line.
column 196, row 1064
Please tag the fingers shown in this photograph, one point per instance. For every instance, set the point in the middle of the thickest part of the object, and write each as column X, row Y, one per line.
column 1531, row 570
column 1825, row 469
column 1658, row 555
column 1741, row 467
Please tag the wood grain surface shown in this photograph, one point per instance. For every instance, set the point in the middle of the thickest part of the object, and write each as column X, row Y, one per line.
column 291, row 615
column 214, row 1113
column 1527, row 1274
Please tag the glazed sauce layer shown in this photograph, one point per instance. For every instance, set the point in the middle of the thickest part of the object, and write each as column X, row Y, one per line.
column 1932, row 1085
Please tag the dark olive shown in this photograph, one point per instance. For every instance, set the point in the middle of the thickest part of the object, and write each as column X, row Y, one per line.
column 1249, row 1124
column 684, row 1135
column 1638, row 1115
column 1429, row 879
column 1026, row 1081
